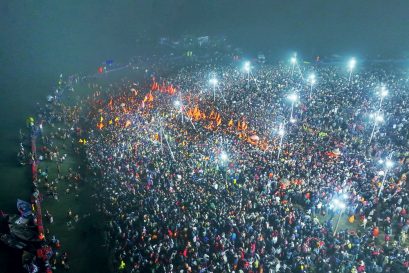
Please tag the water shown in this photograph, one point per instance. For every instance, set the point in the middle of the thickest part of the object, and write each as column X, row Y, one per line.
column 84, row 243
column 38, row 41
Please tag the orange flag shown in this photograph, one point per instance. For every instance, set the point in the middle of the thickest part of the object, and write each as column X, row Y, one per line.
column 231, row 123
column 110, row 104
column 212, row 115
column 218, row 119
column 244, row 125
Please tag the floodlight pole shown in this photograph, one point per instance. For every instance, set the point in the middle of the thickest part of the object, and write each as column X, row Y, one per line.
column 339, row 218
column 161, row 134
column 383, row 182
column 293, row 61
column 373, row 132
column 170, row 149
column 299, row 70
column 280, row 145
column 248, row 78
column 384, row 177
column 312, row 82
column 181, row 107
column 292, row 110
column 380, row 103
column 351, row 65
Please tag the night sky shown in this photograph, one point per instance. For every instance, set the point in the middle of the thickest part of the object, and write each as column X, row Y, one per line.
column 77, row 32
column 41, row 39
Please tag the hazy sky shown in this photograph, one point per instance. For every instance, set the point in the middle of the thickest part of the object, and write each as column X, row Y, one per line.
column 42, row 27
column 76, row 34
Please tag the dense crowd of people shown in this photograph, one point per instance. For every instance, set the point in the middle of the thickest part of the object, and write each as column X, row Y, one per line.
column 231, row 176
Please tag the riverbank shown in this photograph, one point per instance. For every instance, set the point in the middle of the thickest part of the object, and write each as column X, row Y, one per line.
column 69, row 189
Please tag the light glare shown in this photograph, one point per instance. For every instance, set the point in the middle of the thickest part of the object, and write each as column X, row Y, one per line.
column 378, row 118
column 384, row 92
column 223, row 156
column 213, row 81
column 311, row 78
column 352, row 63
column 293, row 97
column 338, row 204
column 388, row 164
column 247, row 66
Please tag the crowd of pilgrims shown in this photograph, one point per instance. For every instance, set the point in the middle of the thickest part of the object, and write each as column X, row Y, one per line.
column 191, row 178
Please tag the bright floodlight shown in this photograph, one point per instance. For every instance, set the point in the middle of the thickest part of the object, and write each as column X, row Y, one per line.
column 223, row 156
column 293, row 120
column 281, row 132
column 293, row 60
column 177, row 103
column 352, row 64
column 213, row 81
column 338, row 204
column 247, row 66
column 293, row 97
column 311, row 78
column 389, row 164
column 378, row 118
column 384, row 92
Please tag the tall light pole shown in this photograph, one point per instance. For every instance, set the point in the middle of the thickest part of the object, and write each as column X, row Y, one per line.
column 338, row 204
column 178, row 104
column 382, row 94
column 312, row 81
column 377, row 119
column 224, row 158
column 293, row 61
column 213, row 81
column 281, row 133
column 351, row 66
column 161, row 133
column 165, row 136
column 247, row 69
column 293, row 98
column 388, row 166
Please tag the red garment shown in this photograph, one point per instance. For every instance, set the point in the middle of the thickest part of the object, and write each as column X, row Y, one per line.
column 375, row 232
column 40, row 253
column 253, row 247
